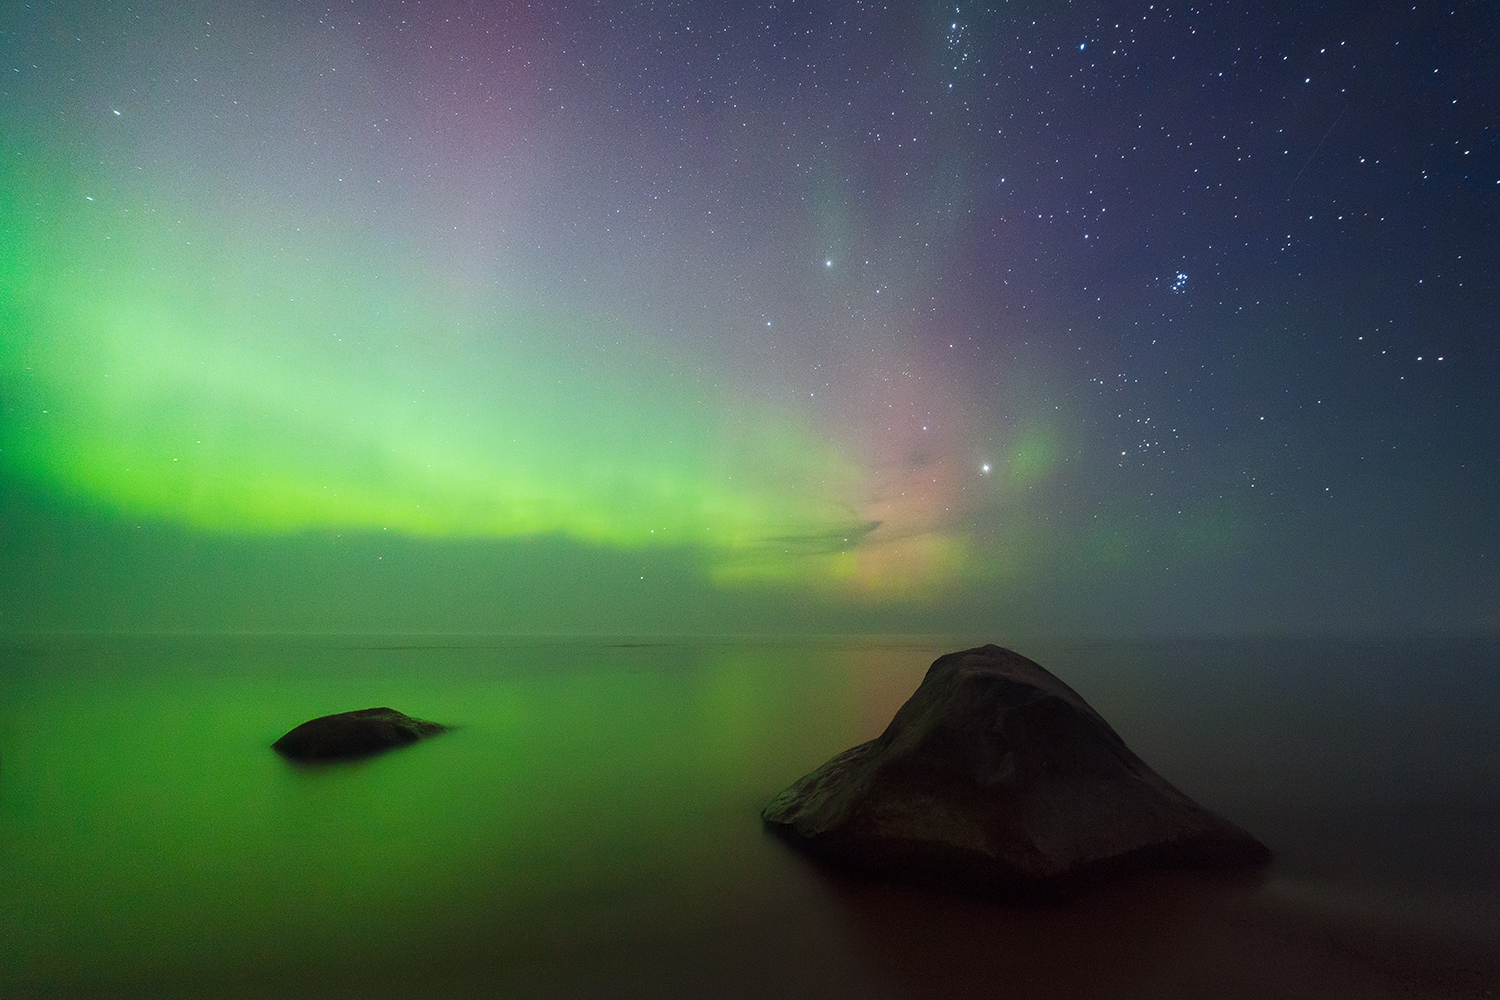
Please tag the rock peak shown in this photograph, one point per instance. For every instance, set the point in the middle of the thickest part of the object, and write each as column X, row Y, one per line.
column 998, row 778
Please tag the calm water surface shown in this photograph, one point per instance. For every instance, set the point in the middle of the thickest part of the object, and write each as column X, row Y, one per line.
column 592, row 824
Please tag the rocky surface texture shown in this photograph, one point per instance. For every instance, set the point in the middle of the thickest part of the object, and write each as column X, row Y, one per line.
column 354, row 734
column 996, row 778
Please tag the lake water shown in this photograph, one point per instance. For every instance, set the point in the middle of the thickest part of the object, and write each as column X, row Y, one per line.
column 592, row 825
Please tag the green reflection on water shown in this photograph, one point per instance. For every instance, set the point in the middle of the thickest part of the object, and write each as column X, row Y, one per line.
column 149, row 836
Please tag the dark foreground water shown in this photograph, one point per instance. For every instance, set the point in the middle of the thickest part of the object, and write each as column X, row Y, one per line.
column 591, row 828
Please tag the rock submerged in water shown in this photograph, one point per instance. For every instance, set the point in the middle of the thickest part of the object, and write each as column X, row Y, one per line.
column 996, row 778
column 354, row 734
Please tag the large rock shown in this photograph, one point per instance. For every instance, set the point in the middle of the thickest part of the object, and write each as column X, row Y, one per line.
column 354, row 734
column 995, row 777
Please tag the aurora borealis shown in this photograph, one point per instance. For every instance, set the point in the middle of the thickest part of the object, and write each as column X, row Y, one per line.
column 910, row 316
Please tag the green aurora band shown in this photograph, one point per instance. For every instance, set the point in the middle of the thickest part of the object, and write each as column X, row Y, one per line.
column 245, row 377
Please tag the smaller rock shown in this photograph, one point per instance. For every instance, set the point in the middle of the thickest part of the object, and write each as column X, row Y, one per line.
column 354, row 734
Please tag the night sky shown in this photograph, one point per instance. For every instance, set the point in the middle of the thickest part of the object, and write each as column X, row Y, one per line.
column 1072, row 318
